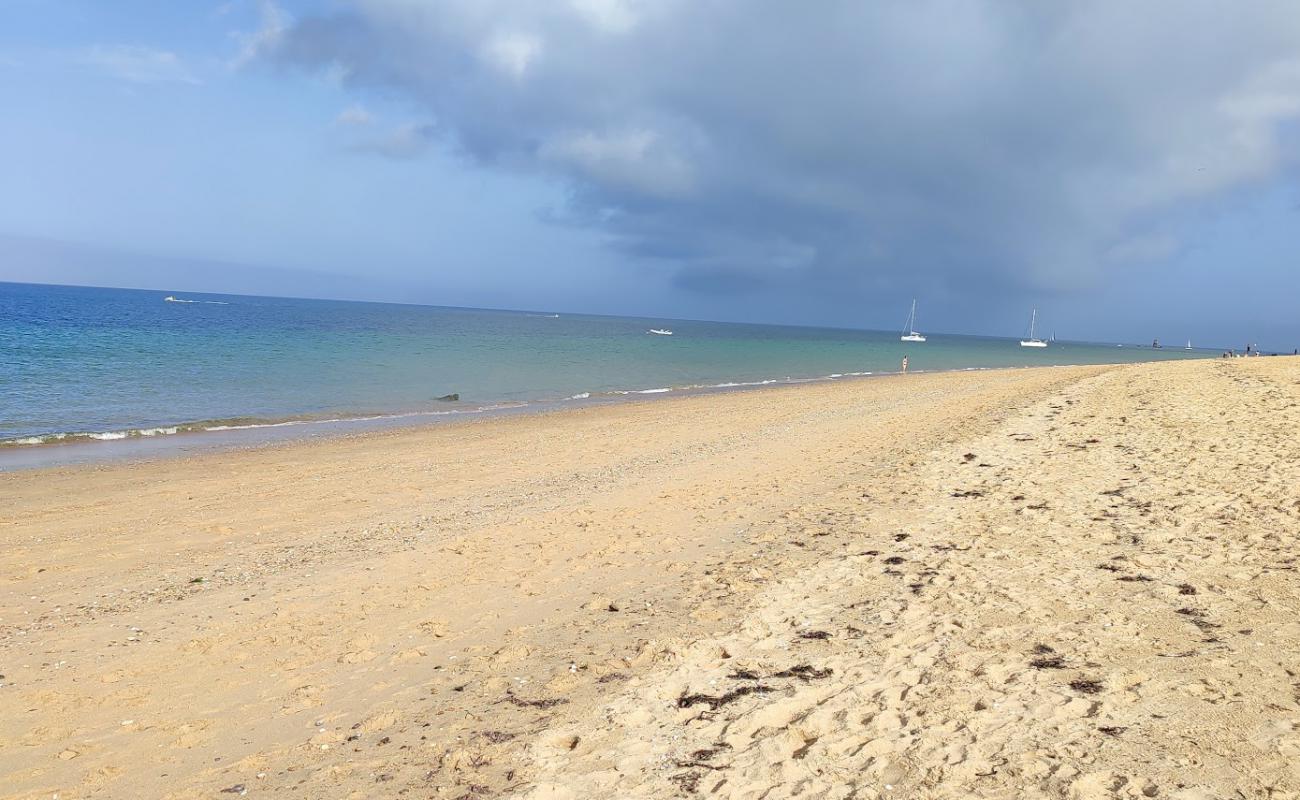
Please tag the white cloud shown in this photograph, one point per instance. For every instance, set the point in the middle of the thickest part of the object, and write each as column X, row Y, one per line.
column 138, row 64
column 354, row 115
column 636, row 159
column 512, row 53
column 405, row 141
column 613, row 16
column 273, row 23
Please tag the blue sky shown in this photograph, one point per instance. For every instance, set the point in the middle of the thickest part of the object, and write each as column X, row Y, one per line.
column 1129, row 170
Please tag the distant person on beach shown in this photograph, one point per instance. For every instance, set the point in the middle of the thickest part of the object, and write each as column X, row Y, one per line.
column 904, row 363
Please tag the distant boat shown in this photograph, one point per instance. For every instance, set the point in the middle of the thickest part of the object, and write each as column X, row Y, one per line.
column 660, row 332
column 909, row 330
column 1031, row 341
column 1155, row 344
column 174, row 299
column 1189, row 345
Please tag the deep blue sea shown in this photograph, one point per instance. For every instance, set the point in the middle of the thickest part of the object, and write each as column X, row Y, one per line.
column 80, row 364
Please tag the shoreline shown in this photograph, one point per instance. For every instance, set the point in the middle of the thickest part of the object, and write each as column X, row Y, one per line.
column 166, row 440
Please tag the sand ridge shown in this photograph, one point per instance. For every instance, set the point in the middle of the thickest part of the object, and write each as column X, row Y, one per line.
column 805, row 591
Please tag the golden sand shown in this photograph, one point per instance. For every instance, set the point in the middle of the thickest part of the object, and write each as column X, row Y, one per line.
column 1060, row 582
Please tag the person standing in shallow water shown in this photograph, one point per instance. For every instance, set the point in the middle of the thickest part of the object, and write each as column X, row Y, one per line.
column 904, row 363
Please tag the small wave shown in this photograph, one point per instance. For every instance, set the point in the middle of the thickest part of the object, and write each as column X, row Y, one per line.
column 47, row 439
column 217, row 427
column 91, row 436
column 788, row 380
column 368, row 418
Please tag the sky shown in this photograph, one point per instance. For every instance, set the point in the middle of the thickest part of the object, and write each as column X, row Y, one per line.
column 1128, row 169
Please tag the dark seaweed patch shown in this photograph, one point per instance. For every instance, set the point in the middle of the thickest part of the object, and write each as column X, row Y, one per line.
column 814, row 635
column 804, row 672
column 549, row 702
column 714, row 702
column 687, row 782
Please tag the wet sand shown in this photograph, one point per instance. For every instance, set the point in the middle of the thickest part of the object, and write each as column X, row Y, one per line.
column 1059, row 582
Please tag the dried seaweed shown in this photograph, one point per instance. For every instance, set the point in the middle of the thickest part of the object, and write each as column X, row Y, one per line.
column 549, row 702
column 804, row 672
column 714, row 702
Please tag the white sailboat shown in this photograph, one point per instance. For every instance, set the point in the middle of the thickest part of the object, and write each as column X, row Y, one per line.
column 1031, row 341
column 1189, row 345
column 909, row 330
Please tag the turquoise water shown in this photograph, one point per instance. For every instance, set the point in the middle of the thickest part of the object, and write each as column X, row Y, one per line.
column 81, row 364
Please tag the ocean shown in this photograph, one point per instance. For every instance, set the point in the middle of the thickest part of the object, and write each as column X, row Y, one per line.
column 81, row 364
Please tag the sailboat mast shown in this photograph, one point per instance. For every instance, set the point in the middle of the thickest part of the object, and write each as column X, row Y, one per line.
column 1033, row 319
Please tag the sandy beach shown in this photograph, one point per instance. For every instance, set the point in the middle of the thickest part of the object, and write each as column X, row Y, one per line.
column 1074, row 582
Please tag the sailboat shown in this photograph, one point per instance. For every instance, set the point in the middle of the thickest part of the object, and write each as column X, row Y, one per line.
column 909, row 330
column 1189, row 345
column 1031, row 341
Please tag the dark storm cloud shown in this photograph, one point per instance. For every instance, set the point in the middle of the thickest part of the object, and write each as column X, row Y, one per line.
column 945, row 144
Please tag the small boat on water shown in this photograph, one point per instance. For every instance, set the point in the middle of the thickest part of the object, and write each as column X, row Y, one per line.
column 170, row 299
column 909, row 330
column 1032, row 341
column 1189, row 345
column 660, row 332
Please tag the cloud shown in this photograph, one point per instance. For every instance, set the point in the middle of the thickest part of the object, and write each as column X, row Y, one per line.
column 637, row 159
column 138, row 64
column 610, row 16
column 969, row 145
column 405, row 141
column 273, row 23
column 512, row 53
column 354, row 115
column 1143, row 249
